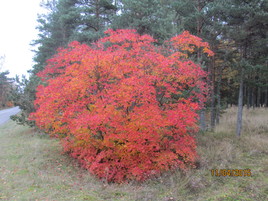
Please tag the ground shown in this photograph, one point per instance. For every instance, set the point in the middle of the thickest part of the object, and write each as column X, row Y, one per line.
column 33, row 167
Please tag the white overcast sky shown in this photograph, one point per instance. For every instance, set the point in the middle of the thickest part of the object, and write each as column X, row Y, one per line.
column 18, row 23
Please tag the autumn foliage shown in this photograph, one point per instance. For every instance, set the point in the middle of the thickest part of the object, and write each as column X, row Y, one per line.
column 124, row 107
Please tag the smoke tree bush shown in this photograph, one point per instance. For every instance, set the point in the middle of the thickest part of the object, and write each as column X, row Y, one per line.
column 123, row 107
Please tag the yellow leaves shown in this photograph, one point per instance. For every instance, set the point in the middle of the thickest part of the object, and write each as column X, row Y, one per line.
column 208, row 51
column 90, row 107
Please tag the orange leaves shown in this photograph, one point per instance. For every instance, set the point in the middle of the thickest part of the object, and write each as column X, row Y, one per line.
column 127, row 38
column 188, row 43
column 123, row 107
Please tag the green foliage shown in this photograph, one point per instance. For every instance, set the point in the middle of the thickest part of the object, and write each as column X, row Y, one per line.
column 23, row 96
column 245, row 28
column 6, row 89
column 235, row 29
column 66, row 20
column 153, row 17
column 55, row 29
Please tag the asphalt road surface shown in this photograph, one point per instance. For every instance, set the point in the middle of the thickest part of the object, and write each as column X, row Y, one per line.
column 5, row 114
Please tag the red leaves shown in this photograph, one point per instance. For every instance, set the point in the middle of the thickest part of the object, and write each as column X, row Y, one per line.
column 123, row 107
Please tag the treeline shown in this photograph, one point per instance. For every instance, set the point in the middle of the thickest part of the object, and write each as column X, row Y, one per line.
column 6, row 86
column 235, row 29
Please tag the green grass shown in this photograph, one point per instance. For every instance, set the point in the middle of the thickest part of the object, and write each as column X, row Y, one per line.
column 32, row 167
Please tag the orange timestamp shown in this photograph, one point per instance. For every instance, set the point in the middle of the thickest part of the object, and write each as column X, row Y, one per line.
column 231, row 172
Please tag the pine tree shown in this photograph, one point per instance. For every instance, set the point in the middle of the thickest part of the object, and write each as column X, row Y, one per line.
column 5, row 89
column 245, row 25
column 154, row 17
column 95, row 17
column 65, row 21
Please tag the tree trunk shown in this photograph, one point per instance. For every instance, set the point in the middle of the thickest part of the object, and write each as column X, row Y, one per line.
column 202, row 120
column 259, row 97
column 248, row 97
column 97, row 14
column 199, row 31
column 240, row 106
column 266, row 97
column 212, row 106
column 218, row 94
column 244, row 92
column 115, row 4
column 253, row 98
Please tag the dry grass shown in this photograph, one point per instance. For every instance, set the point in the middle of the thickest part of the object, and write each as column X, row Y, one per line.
column 33, row 168
column 255, row 121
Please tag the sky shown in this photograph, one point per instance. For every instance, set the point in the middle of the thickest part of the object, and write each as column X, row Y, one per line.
column 18, row 28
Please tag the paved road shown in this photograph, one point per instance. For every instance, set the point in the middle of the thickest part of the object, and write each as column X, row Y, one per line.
column 5, row 114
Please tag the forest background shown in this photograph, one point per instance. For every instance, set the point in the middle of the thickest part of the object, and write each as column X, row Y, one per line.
column 235, row 29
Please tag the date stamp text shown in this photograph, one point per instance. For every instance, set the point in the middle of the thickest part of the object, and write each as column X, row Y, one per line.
column 231, row 172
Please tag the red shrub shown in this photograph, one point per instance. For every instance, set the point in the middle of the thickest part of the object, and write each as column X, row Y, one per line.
column 123, row 107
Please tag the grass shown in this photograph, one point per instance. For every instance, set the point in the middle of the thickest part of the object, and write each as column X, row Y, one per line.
column 32, row 167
